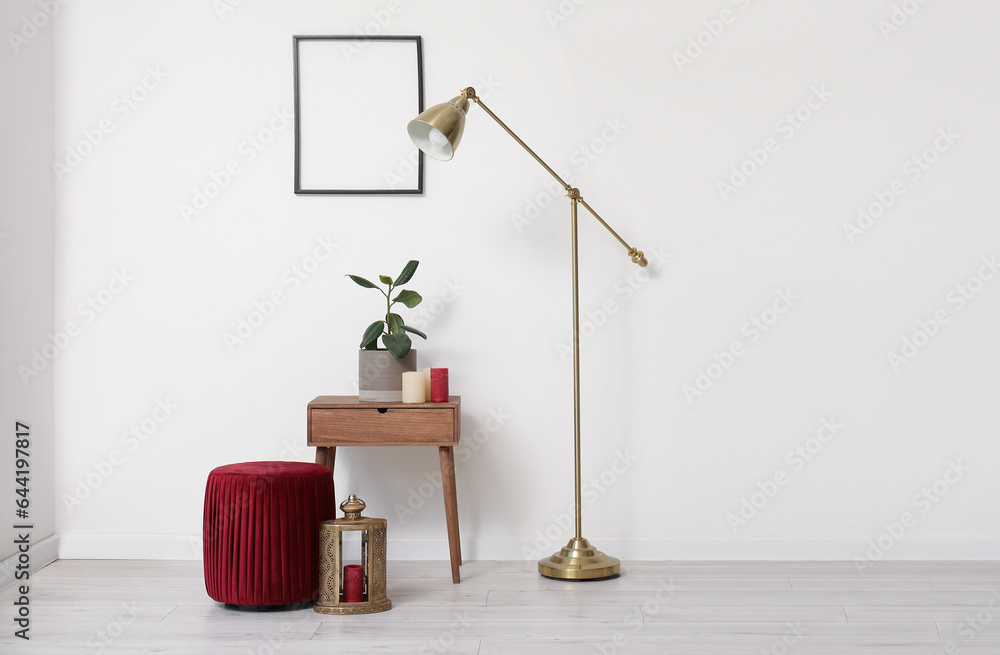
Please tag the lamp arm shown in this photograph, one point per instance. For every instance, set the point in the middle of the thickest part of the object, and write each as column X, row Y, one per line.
column 637, row 255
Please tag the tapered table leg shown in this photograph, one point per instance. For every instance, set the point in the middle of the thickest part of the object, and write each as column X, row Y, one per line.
column 327, row 455
column 447, row 455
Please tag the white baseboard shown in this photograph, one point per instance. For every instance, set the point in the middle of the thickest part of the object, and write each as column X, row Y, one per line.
column 173, row 547
column 733, row 549
column 40, row 555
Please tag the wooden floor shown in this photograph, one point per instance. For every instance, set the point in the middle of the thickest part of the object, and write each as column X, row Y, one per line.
column 662, row 608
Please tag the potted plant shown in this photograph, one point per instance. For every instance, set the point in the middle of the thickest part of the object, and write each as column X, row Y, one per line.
column 380, row 370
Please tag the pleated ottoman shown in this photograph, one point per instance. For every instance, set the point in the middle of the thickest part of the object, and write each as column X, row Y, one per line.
column 261, row 531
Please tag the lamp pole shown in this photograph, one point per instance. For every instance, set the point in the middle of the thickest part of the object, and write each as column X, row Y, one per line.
column 577, row 478
column 438, row 131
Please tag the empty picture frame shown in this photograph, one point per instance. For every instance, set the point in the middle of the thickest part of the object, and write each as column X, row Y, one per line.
column 354, row 96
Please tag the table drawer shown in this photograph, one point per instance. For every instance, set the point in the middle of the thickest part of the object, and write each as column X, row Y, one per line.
column 386, row 426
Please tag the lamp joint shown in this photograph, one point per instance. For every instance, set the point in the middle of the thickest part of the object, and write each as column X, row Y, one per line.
column 573, row 192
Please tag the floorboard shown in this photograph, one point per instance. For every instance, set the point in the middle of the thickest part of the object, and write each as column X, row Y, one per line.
column 506, row 608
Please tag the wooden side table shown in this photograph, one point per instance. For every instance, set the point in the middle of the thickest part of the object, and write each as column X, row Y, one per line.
column 346, row 421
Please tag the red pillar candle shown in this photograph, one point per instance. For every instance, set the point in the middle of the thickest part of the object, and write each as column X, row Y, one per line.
column 354, row 579
column 439, row 385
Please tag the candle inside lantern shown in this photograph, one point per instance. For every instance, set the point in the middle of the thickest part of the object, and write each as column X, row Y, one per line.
column 413, row 387
column 427, row 384
column 439, row 385
column 354, row 578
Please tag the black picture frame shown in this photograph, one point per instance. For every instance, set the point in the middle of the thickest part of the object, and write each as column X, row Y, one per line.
column 350, row 131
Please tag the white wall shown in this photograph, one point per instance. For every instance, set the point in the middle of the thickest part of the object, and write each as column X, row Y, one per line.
column 719, row 260
column 27, row 214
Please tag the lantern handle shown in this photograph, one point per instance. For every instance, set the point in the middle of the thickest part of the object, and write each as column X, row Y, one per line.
column 352, row 507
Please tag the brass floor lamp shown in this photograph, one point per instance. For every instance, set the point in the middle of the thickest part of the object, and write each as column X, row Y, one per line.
column 438, row 131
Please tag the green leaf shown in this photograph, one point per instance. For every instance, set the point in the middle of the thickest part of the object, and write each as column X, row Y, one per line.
column 385, row 279
column 370, row 339
column 409, row 298
column 397, row 344
column 395, row 324
column 408, row 271
column 362, row 281
column 414, row 331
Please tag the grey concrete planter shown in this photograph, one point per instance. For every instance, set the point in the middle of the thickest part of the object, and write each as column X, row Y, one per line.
column 380, row 375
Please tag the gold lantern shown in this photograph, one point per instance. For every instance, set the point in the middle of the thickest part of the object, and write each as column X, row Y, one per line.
column 352, row 588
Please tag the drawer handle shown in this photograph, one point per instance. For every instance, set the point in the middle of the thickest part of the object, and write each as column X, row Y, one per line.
column 383, row 410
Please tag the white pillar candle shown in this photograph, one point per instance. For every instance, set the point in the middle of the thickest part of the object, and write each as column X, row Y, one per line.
column 427, row 384
column 413, row 387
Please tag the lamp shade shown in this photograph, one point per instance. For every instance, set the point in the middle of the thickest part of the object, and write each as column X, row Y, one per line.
column 438, row 130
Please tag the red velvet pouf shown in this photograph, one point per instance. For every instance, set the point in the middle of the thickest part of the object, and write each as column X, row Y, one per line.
column 261, row 531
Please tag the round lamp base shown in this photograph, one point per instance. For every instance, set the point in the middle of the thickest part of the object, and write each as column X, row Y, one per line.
column 578, row 560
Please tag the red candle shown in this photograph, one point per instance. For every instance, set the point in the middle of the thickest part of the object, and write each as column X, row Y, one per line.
column 439, row 385
column 354, row 578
